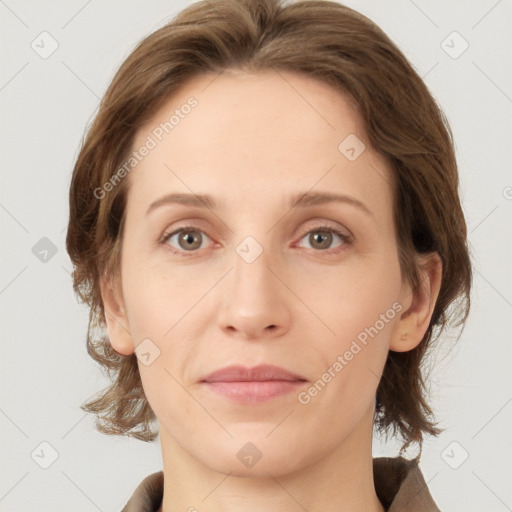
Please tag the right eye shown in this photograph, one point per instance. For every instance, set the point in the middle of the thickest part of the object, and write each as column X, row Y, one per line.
column 187, row 239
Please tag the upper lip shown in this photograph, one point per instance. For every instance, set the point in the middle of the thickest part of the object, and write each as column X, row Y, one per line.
column 263, row 372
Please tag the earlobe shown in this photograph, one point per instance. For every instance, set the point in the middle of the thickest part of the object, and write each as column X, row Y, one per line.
column 116, row 319
column 413, row 324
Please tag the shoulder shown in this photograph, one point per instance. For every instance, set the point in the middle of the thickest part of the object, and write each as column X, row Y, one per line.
column 400, row 485
column 147, row 497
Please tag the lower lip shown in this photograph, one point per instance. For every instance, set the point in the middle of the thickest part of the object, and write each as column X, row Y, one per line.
column 254, row 391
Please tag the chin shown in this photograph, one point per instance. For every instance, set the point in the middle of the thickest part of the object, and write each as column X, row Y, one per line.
column 247, row 457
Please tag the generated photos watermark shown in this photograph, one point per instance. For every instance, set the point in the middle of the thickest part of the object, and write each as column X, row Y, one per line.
column 361, row 341
column 151, row 142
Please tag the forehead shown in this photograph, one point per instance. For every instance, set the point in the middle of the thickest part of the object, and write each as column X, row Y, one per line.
column 250, row 133
column 253, row 108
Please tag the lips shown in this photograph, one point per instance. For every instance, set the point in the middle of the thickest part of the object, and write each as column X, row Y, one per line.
column 261, row 373
column 256, row 385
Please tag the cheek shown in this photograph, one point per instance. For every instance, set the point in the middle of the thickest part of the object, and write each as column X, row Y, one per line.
column 154, row 298
column 350, row 360
column 351, row 298
column 146, row 315
column 165, row 317
column 160, row 318
column 359, row 310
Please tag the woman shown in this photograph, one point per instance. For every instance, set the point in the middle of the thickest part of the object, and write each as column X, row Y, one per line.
column 265, row 222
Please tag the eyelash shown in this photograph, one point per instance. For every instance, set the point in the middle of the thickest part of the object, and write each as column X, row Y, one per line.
column 347, row 239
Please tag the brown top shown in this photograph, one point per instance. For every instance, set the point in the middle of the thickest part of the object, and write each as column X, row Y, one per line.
column 399, row 485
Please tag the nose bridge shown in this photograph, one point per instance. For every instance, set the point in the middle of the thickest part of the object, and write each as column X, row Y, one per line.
column 252, row 279
column 255, row 298
column 253, row 248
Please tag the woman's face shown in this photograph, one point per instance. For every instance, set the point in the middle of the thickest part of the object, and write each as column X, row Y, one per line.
column 254, row 280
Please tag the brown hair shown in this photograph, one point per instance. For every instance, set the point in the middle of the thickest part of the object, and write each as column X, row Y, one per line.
column 333, row 44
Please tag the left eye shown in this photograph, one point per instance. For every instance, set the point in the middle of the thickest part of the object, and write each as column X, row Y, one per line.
column 321, row 238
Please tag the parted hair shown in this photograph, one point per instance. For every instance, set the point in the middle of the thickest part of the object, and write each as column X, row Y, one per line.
column 335, row 45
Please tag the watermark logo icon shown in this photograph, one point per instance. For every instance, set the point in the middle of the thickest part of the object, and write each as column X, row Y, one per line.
column 44, row 250
column 454, row 455
column 454, row 45
column 44, row 455
column 249, row 454
column 147, row 351
column 351, row 147
column 44, row 45
column 249, row 249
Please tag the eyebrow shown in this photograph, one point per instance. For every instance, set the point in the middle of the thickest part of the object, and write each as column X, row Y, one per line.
column 301, row 200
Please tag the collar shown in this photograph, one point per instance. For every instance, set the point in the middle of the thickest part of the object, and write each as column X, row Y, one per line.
column 399, row 485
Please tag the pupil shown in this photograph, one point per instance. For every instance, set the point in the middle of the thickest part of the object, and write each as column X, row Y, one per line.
column 321, row 239
column 188, row 239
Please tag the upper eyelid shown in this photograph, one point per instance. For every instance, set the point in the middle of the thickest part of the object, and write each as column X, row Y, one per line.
column 317, row 222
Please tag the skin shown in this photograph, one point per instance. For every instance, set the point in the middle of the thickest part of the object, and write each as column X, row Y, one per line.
column 252, row 141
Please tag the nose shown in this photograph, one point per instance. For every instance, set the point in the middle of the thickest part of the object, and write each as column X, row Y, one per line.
column 255, row 299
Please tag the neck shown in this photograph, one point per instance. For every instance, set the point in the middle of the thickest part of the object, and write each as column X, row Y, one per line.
column 341, row 480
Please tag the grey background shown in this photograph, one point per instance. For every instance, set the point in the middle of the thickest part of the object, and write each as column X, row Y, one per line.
column 45, row 370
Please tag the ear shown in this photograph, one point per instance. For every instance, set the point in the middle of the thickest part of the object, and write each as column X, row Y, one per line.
column 410, row 329
column 115, row 317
